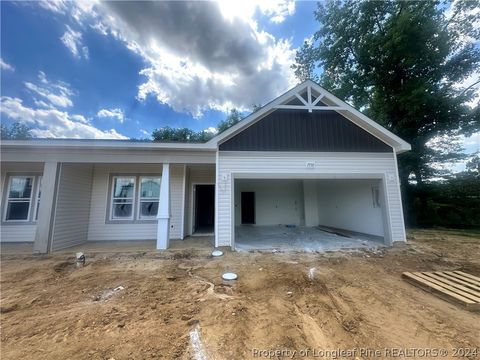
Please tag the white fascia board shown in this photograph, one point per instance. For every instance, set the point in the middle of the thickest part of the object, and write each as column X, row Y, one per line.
column 106, row 144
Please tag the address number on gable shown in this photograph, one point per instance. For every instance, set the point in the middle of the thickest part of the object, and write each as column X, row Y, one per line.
column 310, row 164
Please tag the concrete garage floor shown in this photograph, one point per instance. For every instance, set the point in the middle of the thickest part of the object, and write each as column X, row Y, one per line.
column 300, row 238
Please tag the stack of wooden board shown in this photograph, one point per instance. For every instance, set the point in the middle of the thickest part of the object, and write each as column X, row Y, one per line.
column 455, row 286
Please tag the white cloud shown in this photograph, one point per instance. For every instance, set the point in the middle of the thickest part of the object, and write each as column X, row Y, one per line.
column 199, row 55
column 471, row 143
column 214, row 63
column 472, row 82
column 46, row 119
column 112, row 113
column 211, row 130
column 73, row 41
column 276, row 10
column 56, row 6
column 5, row 66
column 53, row 123
column 53, row 93
column 145, row 132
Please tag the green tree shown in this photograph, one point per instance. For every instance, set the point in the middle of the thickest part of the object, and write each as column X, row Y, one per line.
column 168, row 134
column 233, row 118
column 473, row 164
column 16, row 131
column 401, row 63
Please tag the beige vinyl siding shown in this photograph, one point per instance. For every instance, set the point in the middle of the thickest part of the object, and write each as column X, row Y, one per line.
column 70, row 226
column 99, row 229
column 176, row 201
column 17, row 232
column 197, row 174
column 294, row 165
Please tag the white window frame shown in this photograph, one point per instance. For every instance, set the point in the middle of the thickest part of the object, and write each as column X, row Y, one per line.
column 146, row 199
column 8, row 199
column 37, row 196
column 133, row 198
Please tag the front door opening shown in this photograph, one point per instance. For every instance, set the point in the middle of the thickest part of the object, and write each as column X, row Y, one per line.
column 204, row 209
column 248, row 207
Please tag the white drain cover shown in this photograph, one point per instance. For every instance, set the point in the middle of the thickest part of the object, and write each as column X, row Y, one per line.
column 217, row 253
column 229, row 276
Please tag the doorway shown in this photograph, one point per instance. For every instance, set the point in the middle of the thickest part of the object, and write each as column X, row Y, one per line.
column 248, row 207
column 204, row 209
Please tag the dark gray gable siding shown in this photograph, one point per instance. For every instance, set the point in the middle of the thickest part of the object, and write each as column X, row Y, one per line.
column 299, row 130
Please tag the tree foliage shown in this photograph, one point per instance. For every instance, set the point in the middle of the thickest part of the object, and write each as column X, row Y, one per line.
column 187, row 135
column 401, row 63
column 233, row 118
column 168, row 133
column 454, row 202
column 16, row 131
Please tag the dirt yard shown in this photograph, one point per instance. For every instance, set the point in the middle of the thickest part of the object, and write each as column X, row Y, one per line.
column 174, row 305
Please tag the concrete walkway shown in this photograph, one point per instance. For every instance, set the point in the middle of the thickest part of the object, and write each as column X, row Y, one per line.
column 189, row 243
column 16, row 248
column 300, row 238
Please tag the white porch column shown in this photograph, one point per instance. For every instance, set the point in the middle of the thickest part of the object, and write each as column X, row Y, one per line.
column 46, row 211
column 163, row 216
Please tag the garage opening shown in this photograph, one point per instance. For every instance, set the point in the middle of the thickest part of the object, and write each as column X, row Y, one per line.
column 308, row 214
column 204, row 209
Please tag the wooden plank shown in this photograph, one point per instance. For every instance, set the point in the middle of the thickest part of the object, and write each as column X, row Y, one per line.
column 458, row 276
column 440, row 291
column 454, row 284
column 465, row 283
column 448, row 287
column 469, row 276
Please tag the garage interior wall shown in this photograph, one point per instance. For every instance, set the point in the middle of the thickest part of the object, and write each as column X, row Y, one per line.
column 342, row 204
column 349, row 205
column 276, row 201
column 17, row 232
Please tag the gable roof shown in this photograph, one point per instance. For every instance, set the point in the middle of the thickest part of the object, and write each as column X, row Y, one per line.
column 312, row 97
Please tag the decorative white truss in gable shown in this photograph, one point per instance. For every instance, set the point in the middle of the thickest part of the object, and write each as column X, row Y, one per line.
column 312, row 97
column 309, row 98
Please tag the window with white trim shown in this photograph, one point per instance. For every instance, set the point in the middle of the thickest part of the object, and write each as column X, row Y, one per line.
column 19, row 198
column 123, row 198
column 134, row 197
column 148, row 197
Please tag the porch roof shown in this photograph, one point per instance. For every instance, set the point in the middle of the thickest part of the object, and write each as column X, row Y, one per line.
column 106, row 144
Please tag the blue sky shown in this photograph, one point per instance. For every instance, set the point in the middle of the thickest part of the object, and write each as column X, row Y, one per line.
column 120, row 70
